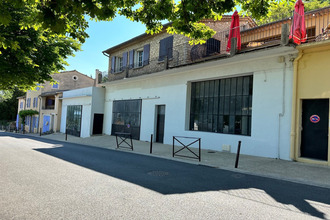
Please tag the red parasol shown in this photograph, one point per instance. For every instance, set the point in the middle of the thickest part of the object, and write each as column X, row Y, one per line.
column 234, row 31
column 298, row 28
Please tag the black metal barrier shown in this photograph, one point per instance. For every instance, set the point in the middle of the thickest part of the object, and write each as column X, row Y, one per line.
column 123, row 137
column 238, row 152
column 151, row 138
column 186, row 146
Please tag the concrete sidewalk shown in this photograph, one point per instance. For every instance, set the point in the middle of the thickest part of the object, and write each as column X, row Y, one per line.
column 316, row 175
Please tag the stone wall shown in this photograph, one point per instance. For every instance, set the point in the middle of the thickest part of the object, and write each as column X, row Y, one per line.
column 68, row 80
column 181, row 49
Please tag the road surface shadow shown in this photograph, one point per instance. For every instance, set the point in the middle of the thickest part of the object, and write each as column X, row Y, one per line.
column 172, row 177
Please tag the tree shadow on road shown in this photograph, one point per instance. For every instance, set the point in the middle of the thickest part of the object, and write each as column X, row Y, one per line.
column 172, row 177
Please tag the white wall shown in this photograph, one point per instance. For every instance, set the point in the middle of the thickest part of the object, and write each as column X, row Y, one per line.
column 170, row 88
column 86, row 103
column 78, row 92
column 97, row 104
column 92, row 100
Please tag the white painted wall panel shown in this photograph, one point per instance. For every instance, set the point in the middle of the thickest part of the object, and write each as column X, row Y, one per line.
column 92, row 100
column 270, row 131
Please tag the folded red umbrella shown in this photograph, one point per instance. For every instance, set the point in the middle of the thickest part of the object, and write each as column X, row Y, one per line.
column 298, row 28
column 234, row 31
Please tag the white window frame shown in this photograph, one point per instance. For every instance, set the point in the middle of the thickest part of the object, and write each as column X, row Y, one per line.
column 118, row 64
column 138, row 58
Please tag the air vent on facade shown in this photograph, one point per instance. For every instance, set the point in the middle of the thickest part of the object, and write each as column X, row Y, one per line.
column 75, row 78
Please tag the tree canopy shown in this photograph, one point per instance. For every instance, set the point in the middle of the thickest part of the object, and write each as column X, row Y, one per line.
column 36, row 36
column 29, row 53
column 283, row 9
column 29, row 112
column 8, row 104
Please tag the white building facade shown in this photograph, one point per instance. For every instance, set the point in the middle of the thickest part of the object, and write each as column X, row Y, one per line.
column 260, row 119
column 85, row 108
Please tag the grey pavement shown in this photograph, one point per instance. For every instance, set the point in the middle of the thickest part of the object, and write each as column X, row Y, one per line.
column 316, row 175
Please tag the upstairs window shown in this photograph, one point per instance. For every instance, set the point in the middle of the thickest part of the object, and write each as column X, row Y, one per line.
column 21, row 105
column 119, row 64
column 55, row 85
column 138, row 58
column 116, row 64
column 28, row 102
column 35, row 102
column 166, row 48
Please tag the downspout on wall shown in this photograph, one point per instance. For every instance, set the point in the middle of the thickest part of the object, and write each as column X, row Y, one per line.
column 281, row 114
column 293, row 152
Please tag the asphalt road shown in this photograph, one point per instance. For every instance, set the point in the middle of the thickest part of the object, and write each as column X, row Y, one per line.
column 44, row 179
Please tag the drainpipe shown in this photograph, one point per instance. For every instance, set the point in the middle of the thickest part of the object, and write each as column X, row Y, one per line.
column 281, row 114
column 293, row 152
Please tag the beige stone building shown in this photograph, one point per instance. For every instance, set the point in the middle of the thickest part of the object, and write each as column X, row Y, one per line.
column 46, row 99
column 147, row 54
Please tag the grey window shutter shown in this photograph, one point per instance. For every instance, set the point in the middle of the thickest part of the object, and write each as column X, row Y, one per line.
column 162, row 49
column 169, row 47
column 125, row 60
column 113, row 60
column 146, row 54
column 131, row 59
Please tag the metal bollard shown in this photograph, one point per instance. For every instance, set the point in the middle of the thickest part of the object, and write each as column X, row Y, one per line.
column 66, row 134
column 40, row 131
column 237, row 155
column 151, row 143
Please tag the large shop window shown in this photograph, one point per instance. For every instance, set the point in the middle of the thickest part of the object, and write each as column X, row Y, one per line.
column 127, row 117
column 222, row 106
column 73, row 119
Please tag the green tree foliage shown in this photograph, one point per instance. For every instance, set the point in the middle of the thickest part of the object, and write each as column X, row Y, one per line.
column 279, row 10
column 22, row 114
column 8, row 104
column 68, row 16
column 29, row 54
column 37, row 35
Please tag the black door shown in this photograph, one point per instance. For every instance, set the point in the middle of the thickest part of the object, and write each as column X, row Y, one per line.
column 160, row 123
column 314, row 134
column 98, row 124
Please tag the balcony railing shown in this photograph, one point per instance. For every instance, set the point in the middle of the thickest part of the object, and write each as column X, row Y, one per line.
column 48, row 107
column 317, row 28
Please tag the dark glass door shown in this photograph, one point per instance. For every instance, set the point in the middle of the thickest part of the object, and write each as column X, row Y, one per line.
column 127, row 117
column 73, row 120
column 160, row 123
column 314, row 134
column 98, row 124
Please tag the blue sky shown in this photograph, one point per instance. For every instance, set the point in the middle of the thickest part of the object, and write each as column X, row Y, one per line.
column 102, row 35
